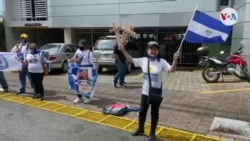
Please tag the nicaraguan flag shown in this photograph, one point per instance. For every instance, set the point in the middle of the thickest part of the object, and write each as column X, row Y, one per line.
column 206, row 29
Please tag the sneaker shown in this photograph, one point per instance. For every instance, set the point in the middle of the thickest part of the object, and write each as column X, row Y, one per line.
column 122, row 86
column 78, row 100
column 115, row 85
column 87, row 101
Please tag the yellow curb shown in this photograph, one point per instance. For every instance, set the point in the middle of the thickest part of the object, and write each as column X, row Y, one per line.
column 164, row 133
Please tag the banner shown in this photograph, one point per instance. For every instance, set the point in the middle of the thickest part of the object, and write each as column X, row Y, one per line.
column 82, row 79
column 45, row 56
column 11, row 61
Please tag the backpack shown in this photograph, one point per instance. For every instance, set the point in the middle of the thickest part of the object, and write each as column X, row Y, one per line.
column 116, row 109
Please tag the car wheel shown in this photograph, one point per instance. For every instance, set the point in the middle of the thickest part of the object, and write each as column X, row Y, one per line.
column 65, row 67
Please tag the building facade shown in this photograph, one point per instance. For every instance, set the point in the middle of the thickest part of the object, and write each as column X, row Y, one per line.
column 162, row 20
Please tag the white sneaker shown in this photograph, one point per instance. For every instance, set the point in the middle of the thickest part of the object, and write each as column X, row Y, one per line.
column 87, row 101
column 78, row 100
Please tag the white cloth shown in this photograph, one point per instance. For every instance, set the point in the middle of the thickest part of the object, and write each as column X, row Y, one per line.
column 86, row 56
column 35, row 66
column 23, row 48
column 9, row 61
column 156, row 68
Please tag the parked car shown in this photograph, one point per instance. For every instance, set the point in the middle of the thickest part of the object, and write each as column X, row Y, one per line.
column 104, row 55
column 58, row 54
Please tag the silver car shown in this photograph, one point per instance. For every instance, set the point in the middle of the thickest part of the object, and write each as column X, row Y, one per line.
column 104, row 53
column 58, row 54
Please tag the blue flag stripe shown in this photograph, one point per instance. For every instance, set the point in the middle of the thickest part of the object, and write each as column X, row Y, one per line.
column 211, row 22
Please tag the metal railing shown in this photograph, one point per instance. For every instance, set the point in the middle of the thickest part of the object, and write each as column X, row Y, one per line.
column 168, row 42
column 33, row 10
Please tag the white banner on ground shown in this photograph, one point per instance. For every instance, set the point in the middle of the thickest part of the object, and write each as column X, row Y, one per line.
column 10, row 61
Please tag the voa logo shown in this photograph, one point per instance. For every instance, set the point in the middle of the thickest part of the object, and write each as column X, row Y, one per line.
column 228, row 16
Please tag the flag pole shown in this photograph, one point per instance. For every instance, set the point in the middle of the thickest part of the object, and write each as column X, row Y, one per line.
column 196, row 7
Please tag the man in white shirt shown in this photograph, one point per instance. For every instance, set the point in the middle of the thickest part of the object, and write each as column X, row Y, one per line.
column 22, row 46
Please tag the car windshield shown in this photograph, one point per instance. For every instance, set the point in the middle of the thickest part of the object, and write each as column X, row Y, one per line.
column 104, row 44
column 50, row 47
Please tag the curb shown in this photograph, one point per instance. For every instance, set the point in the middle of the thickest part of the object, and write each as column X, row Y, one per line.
column 122, row 123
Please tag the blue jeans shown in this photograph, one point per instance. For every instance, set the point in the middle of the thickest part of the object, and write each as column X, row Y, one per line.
column 3, row 81
column 120, row 75
column 22, row 78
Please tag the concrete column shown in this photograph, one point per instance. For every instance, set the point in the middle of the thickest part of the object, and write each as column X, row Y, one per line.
column 67, row 35
column 241, row 29
column 9, row 39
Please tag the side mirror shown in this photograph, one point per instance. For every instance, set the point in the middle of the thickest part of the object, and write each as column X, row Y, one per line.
column 222, row 52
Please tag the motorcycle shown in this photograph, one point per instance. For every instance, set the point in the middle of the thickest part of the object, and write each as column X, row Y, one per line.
column 234, row 64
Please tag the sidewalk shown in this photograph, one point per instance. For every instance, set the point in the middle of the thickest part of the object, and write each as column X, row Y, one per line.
column 189, row 103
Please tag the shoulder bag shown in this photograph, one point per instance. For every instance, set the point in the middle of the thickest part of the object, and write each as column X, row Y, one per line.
column 154, row 94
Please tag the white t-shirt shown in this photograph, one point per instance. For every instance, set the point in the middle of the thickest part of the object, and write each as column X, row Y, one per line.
column 36, row 65
column 156, row 68
column 22, row 48
column 86, row 56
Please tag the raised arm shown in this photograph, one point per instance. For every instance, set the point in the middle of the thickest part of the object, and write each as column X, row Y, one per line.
column 174, row 64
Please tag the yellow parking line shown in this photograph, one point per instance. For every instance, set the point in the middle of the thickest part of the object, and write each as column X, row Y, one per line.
column 223, row 91
column 122, row 123
column 222, row 83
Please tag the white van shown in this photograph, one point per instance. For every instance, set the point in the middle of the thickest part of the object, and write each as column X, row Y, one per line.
column 104, row 52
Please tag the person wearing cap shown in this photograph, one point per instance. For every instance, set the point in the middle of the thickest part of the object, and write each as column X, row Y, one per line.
column 23, row 46
column 152, row 67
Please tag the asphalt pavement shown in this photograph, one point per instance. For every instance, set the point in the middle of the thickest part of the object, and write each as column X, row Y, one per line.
column 23, row 123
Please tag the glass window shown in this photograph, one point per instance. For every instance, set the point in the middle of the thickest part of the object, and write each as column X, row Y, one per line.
column 68, row 48
column 223, row 2
column 105, row 44
column 74, row 48
column 50, row 47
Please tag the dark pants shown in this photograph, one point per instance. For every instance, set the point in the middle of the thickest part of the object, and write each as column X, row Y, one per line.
column 3, row 82
column 154, row 113
column 22, row 78
column 37, row 79
column 120, row 75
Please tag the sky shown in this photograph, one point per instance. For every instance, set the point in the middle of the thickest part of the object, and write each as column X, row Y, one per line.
column 1, row 7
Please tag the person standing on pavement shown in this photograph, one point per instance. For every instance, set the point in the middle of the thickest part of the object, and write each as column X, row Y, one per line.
column 121, row 64
column 23, row 46
column 35, row 62
column 3, row 82
column 83, row 56
column 152, row 67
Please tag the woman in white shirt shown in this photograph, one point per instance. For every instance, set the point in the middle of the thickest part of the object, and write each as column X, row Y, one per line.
column 83, row 56
column 35, row 63
column 152, row 67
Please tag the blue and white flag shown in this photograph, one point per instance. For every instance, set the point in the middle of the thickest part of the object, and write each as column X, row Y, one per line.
column 206, row 29
column 11, row 61
column 82, row 79
column 45, row 56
